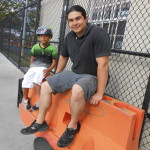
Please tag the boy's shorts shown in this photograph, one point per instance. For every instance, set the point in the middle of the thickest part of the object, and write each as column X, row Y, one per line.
column 64, row 81
column 33, row 75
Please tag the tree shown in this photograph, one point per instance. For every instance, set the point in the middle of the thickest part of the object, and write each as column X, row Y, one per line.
column 7, row 7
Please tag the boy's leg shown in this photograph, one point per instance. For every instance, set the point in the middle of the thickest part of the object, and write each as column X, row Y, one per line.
column 37, row 81
column 26, row 84
column 26, row 99
column 25, row 93
column 38, row 89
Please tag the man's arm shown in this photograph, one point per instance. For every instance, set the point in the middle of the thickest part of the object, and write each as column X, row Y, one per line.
column 102, row 76
column 61, row 63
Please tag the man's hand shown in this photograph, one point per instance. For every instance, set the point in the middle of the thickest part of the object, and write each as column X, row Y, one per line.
column 95, row 99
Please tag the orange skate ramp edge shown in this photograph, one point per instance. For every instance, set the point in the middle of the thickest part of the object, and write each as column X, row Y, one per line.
column 111, row 125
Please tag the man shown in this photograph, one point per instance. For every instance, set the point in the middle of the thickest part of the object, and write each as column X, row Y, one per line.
column 88, row 48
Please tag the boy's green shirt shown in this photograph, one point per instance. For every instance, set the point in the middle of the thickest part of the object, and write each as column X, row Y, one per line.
column 43, row 56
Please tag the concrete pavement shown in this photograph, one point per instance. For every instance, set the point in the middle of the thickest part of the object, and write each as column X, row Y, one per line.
column 10, row 122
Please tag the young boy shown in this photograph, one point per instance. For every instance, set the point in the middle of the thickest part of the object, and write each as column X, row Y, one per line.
column 43, row 60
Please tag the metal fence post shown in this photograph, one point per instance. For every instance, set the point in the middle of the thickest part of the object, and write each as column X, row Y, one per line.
column 2, row 33
column 19, row 59
column 145, row 106
column 146, row 101
column 63, row 24
column 24, row 28
column 8, row 52
column 37, row 19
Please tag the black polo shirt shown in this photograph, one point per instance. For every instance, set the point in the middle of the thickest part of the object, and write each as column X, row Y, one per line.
column 83, row 51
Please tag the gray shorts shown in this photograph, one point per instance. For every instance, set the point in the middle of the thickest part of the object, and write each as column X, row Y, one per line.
column 64, row 81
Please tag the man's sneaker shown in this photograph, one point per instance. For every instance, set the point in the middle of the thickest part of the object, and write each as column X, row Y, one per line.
column 34, row 127
column 36, row 106
column 27, row 105
column 68, row 136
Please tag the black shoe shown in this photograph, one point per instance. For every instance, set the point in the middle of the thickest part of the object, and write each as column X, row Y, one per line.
column 68, row 136
column 36, row 106
column 27, row 105
column 34, row 127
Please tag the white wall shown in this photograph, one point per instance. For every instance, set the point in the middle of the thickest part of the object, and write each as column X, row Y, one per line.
column 51, row 11
column 137, row 27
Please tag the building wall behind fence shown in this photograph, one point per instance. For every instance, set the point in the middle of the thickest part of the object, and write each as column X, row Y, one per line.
column 51, row 12
column 137, row 27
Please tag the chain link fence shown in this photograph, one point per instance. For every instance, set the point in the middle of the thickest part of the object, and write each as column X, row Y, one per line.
column 17, row 34
column 126, row 21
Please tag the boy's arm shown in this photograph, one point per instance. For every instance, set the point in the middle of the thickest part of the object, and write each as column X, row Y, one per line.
column 52, row 65
column 46, row 71
column 32, row 59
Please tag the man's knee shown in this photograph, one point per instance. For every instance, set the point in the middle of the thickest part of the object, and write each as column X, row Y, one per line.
column 77, row 90
column 45, row 87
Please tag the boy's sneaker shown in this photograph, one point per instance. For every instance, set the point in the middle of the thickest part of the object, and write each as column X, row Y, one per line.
column 36, row 106
column 34, row 127
column 68, row 136
column 27, row 105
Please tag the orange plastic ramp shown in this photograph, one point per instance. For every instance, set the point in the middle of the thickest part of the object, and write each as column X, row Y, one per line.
column 111, row 125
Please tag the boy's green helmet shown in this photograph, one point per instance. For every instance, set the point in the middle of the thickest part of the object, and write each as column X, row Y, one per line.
column 44, row 31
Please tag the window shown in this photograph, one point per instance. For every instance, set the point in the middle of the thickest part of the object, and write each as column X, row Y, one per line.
column 111, row 15
column 108, row 10
column 105, row 25
column 121, row 27
column 100, row 14
column 111, row 40
column 97, row 14
column 125, row 9
column 112, row 28
column 118, row 42
column 116, row 11
column 94, row 16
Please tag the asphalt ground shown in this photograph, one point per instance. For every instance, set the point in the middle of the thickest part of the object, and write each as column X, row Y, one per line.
column 10, row 121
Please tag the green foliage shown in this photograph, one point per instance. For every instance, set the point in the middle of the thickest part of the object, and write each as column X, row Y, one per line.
column 7, row 7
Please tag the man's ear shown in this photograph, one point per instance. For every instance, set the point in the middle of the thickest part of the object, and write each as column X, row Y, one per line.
column 87, row 19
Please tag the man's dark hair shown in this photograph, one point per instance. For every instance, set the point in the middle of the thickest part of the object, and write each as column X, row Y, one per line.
column 77, row 8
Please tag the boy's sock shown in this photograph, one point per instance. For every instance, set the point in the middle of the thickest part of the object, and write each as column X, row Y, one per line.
column 26, row 103
column 36, row 106
column 25, row 100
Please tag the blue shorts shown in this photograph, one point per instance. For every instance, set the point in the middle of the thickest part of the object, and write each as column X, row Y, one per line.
column 64, row 81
